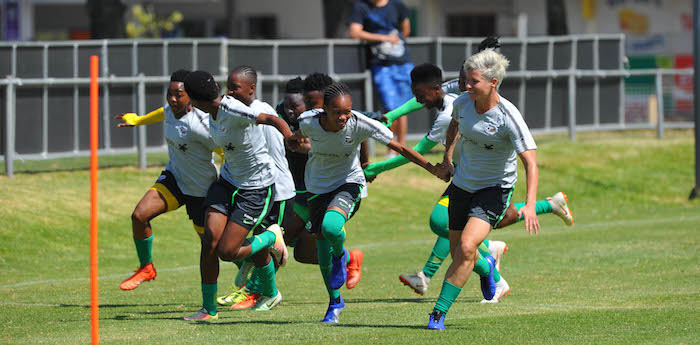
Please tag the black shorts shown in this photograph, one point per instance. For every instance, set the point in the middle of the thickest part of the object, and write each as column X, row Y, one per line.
column 346, row 197
column 488, row 204
column 166, row 185
column 245, row 207
column 280, row 213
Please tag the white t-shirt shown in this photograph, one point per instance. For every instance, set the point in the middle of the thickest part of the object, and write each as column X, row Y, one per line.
column 189, row 148
column 489, row 143
column 248, row 164
column 334, row 159
column 284, row 184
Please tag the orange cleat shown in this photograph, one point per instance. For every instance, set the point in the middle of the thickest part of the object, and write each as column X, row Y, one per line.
column 354, row 265
column 142, row 274
column 248, row 303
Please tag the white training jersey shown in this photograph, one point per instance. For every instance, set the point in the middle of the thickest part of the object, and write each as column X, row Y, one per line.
column 438, row 131
column 189, row 148
column 247, row 162
column 284, row 184
column 334, row 159
column 451, row 86
column 489, row 143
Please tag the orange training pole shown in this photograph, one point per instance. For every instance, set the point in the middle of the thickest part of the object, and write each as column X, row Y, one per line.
column 94, row 300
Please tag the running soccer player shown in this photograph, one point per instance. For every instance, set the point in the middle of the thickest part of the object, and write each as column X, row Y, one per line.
column 239, row 201
column 241, row 85
column 492, row 131
column 335, row 180
column 431, row 94
column 185, row 180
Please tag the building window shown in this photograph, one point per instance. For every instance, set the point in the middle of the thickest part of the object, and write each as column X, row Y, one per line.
column 463, row 25
column 262, row 27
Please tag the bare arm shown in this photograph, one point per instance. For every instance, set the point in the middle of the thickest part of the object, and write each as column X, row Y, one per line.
column 529, row 159
column 357, row 31
column 405, row 27
column 450, row 142
column 413, row 156
column 275, row 121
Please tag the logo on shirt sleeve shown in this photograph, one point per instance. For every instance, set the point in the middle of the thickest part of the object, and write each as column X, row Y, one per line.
column 490, row 129
column 182, row 131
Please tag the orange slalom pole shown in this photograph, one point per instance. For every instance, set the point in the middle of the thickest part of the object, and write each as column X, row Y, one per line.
column 94, row 295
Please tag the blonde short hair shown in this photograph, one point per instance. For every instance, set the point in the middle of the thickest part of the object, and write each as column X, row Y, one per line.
column 490, row 63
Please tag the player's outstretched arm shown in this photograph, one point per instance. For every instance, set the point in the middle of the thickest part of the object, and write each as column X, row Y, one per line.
column 414, row 157
column 131, row 119
column 404, row 109
column 529, row 159
column 374, row 169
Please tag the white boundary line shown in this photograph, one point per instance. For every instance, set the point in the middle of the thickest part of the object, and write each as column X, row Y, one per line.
column 381, row 244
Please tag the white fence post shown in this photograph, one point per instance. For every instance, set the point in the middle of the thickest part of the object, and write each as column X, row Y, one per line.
column 9, row 128
column 660, row 104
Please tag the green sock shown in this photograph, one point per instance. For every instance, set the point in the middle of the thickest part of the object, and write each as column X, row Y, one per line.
column 144, row 249
column 254, row 282
column 333, row 232
column 324, row 263
column 448, row 295
column 440, row 251
column 268, row 286
column 258, row 242
column 485, row 243
column 483, row 265
column 209, row 297
column 542, row 206
column 483, row 250
column 406, row 108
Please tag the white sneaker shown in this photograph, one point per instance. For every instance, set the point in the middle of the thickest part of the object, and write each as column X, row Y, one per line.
column 244, row 273
column 201, row 315
column 279, row 249
column 266, row 303
column 560, row 208
column 497, row 249
column 418, row 282
column 502, row 290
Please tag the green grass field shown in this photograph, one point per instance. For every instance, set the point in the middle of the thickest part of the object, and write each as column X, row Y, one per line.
column 628, row 272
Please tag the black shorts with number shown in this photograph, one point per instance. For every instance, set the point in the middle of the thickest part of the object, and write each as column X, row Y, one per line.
column 488, row 204
column 245, row 207
column 193, row 204
column 345, row 197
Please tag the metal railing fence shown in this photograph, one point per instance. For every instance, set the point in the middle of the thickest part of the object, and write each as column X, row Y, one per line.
column 566, row 83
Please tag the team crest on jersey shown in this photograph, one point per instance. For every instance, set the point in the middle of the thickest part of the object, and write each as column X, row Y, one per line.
column 349, row 140
column 490, row 129
column 182, row 130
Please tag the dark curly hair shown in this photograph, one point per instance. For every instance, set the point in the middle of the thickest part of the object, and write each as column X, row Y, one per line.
column 317, row 82
column 295, row 85
column 426, row 73
column 179, row 75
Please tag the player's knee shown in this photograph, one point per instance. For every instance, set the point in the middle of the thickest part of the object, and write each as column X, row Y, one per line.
column 467, row 250
column 439, row 221
column 140, row 216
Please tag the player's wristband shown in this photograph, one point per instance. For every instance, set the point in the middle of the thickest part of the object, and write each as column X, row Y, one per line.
column 423, row 146
column 405, row 109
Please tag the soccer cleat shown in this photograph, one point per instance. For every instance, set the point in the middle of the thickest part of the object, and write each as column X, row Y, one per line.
column 267, row 303
column 488, row 285
column 334, row 310
column 354, row 266
column 244, row 273
column 497, row 249
column 339, row 271
column 561, row 209
column 201, row 315
column 502, row 290
column 418, row 282
column 238, row 295
column 141, row 275
column 436, row 320
column 249, row 302
column 279, row 249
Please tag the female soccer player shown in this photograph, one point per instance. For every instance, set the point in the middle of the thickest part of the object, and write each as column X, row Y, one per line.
column 492, row 131
column 239, row 201
column 335, row 180
column 185, row 180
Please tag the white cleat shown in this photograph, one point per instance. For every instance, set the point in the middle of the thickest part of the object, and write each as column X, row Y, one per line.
column 279, row 249
column 561, row 209
column 497, row 249
column 502, row 290
column 244, row 273
column 418, row 282
column 267, row 303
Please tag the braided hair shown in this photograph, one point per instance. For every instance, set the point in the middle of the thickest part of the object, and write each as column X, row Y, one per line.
column 179, row 76
column 295, row 85
column 334, row 91
column 200, row 85
column 317, row 82
column 489, row 42
column 247, row 71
